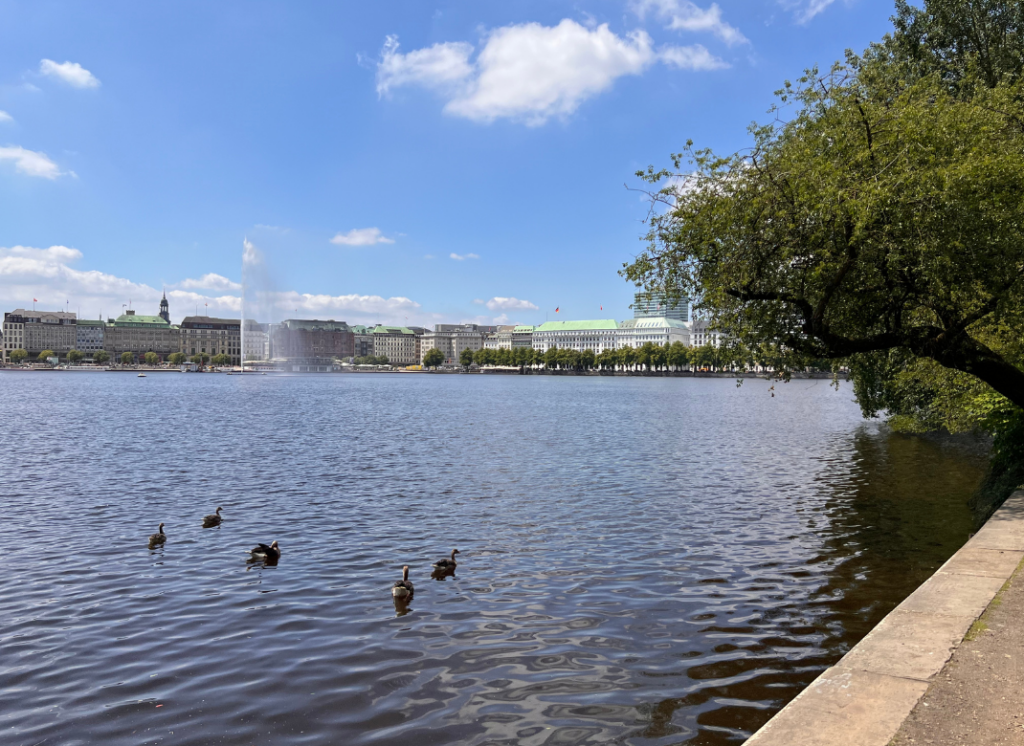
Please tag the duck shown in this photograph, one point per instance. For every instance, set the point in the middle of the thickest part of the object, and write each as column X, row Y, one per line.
column 403, row 588
column 447, row 564
column 263, row 552
column 158, row 538
column 213, row 519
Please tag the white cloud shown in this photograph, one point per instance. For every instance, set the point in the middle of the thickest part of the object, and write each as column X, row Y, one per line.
column 501, row 320
column 805, row 10
column 30, row 162
column 510, row 304
column 5, row 117
column 361, row 237
column 526, row 72
column 211, row 281
column 684, row 15
column 694, row 57
column 434, row 67
column 70, row 72
column 462, row 257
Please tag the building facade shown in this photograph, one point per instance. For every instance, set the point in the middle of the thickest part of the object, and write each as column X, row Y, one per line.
column 702, row 334
column 312, row 342
column 138, row 335
column 399, row 344
column 655, row 305
column 453, row 339
column 36, row 331
column 212, row 336
column 89, row 335
column 256, row 341
column 362, row 340
column 655, row 330
column 500, row 340
column 522, row 336
column 597, row 335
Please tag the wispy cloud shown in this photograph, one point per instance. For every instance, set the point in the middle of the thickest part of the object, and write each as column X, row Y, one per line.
column 435, row 67
column 684, row 15
column 30, row 162
column 210, row 281
column 510, row 304
column 361, row 237
column 805, row 10
column 694, row 57
column 5, row 117
column 462, row 257
column 71, row 73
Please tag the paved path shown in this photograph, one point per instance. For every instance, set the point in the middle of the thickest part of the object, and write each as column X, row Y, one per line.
column 978, row 697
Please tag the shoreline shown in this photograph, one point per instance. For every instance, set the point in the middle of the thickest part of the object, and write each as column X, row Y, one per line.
column 865, row 698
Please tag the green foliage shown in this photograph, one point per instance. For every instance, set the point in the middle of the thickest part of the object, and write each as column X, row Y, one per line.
column 100, row 356
column 176, row 358
column 200, row 358
column 466, row 358
column 74, row 356
column 371, row 360
column 433, row 357
column 127, row 358
column 18, row 356
column 220, row 359
column 151, row 358
column 44, row 355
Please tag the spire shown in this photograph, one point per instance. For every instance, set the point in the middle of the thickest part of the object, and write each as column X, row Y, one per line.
column 165, row 309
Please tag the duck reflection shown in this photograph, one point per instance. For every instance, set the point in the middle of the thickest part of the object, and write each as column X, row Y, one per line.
column 402, row 605
column 443, row 573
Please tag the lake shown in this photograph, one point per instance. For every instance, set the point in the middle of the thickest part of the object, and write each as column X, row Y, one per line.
column 642, row 560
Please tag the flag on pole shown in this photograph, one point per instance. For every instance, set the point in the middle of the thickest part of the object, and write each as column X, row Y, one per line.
column 556, row 309
column 35, row 300
column 602, row 308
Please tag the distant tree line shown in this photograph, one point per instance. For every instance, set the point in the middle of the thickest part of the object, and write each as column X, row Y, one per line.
column 371, row 360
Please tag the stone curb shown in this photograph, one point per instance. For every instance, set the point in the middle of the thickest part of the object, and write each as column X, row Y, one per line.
column 866, row 696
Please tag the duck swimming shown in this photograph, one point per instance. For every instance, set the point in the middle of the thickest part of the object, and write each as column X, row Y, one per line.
column 213, row 519
column 263, row 552
column 403, row 588
column 158, row 538
column 447, row 564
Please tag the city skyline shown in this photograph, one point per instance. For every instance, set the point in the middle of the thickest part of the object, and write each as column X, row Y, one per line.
column 402, row 163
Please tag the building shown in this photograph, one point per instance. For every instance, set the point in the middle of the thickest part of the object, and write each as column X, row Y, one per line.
column 653, row 330
column 399, row 344
column 204, row 334
column 36, row 331
column 500, row 340
column 596, row 335
column 522, row 336
column 89, row 336
column 165, row 309
column 362, row 340
column 256, row 341
column 138, row 335
column 654, row 305
column 453, row 339
column 311, row 344
column 701, row 334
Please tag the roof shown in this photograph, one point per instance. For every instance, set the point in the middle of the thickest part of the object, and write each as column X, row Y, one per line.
column 654, row 322
column 91, row 322
column 207, row 322
column 136, row 320
column 522, row 329
column 392, row 330
column 573, row 326
column 317, row 325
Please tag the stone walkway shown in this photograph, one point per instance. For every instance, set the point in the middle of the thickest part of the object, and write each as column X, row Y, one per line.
column 978, row 697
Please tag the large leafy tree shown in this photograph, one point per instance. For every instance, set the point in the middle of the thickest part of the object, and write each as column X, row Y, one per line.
column 878, row 219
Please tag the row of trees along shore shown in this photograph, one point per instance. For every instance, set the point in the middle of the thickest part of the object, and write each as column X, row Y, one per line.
column 875, row 221
column 650, row 357
column 101, row 357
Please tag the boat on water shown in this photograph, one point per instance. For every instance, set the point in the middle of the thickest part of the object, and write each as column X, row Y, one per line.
column 142, row 375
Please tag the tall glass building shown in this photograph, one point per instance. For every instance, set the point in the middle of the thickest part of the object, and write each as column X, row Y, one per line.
column 653, row 305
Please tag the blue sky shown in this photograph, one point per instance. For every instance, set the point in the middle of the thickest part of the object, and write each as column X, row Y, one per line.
column 390, row 161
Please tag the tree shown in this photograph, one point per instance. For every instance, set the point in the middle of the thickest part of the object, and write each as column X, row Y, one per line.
column 551, row 358
column 176, row 358
column 466, row 358
column 100, row 356
column 18, row 356
column 44, row 355
column 127, row 358
column 200, row 358
column 151, row 358
column 220, row 359
column 433, row 357
column 74, row 356
column 678, row 356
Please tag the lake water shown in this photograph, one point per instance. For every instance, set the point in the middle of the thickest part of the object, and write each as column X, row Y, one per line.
column 643, row 561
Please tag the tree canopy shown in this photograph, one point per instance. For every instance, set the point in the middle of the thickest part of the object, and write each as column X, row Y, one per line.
column 18, row 356
column 877, row 224
column 101, row 356
column 433, row 357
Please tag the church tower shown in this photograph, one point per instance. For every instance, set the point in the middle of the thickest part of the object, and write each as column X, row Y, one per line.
column 165, row 309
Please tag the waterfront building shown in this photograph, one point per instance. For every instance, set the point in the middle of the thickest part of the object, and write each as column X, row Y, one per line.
column 89, row 335
column 452, row 339
column 35, row 331
column 311, row 344
column 522, row 336
column 362, row 340
column 399, row 344
column 138, row 335
column 597, row 335
column 256, row 340
column 701, row 333
column 655, row 305
column 654, row 330
column 501, row 339
column 205, row 334
column 165, row 309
